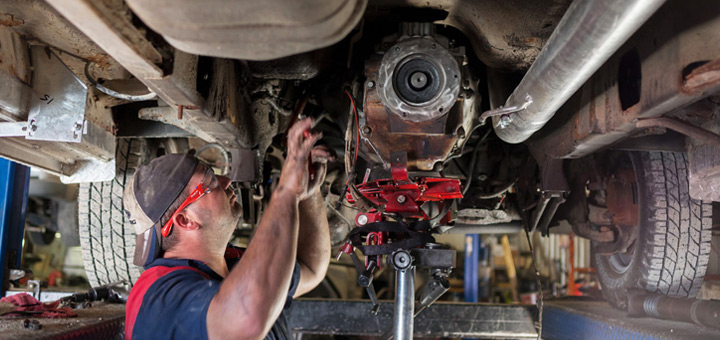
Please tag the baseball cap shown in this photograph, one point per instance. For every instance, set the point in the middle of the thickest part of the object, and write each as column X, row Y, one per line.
column 151, row 191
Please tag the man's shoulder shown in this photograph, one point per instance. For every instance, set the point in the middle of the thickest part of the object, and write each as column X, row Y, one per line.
column 169, row 291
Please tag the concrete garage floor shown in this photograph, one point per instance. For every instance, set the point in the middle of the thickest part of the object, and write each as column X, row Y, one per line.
column 101, row 321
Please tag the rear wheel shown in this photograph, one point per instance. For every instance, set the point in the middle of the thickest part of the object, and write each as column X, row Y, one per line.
column 669, row 251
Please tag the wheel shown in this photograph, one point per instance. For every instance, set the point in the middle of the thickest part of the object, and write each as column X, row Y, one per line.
column 107, row 239
column 668, row 252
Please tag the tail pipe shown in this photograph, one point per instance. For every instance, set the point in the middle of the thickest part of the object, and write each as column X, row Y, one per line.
column 702, row 312
column 588, row 34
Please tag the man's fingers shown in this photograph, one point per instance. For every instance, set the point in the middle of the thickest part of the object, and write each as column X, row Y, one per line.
column 321, row 155
column 309, row 141
column 298, row 130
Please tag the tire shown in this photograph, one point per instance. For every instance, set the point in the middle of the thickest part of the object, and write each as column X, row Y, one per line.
column 106, row 238
column 671, row 252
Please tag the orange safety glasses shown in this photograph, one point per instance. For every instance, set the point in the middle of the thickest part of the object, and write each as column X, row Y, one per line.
column 208, row 184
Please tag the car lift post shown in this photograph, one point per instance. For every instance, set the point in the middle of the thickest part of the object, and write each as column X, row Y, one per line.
column 472, row 261
column 14, row 182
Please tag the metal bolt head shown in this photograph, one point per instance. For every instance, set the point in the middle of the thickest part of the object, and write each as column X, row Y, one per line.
column 362, row 219
column 366, row 130
column 78, row 126
column 402, row 260
column 401, row 199
column 505, row 121
column 370, row 84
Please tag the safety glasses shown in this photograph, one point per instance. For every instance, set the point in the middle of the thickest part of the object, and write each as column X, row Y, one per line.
column 208, row 184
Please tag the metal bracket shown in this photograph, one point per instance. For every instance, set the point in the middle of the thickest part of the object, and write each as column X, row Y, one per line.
column 13, row 129
column 57, row 105
column 505, row 112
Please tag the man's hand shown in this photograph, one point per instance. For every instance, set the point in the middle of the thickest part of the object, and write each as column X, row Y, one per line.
column 294, row 175
column 320, row 155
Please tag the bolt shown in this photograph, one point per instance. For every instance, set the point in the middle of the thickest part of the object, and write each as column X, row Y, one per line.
column 370, row 84
column 505, row 120
column 401, row 199
column 362, row 219
column 78, row 126
column 397, row 48
column 366, row 130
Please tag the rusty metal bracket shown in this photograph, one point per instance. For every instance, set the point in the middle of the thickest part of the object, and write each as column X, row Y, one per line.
column 689, row 130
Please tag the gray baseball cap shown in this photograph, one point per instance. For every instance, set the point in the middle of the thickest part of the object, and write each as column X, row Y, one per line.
column 151, row 191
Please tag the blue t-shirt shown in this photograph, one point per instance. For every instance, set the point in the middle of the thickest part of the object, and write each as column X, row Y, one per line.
column 171, row 298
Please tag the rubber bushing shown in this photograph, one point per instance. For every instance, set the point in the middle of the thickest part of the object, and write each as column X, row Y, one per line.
column 417, row 91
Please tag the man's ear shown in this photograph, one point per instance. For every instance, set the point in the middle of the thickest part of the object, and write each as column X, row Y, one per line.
column 183, row 221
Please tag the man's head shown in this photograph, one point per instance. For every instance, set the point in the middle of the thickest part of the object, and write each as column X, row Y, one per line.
column 177, row 200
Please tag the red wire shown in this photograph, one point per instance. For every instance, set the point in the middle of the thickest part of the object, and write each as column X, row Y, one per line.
column 357, row 128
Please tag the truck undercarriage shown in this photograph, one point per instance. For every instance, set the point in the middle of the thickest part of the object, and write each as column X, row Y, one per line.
column 449, row 116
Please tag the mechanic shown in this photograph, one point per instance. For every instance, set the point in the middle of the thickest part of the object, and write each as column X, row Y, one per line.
column 195, row 285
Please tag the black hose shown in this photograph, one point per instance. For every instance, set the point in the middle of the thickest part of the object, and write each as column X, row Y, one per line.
column 471, row 171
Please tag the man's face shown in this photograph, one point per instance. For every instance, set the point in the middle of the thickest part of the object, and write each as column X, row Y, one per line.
column 219, row 210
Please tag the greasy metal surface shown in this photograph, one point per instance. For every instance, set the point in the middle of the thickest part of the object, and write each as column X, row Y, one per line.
column 38, row 21
column 473, row 216
column 101, row 321
column 420, row 48
column 57, row 106
column 583, row 173
column 587, row 319
column 594, row 119
column 118, row 36
column 507, row 35
column 442, row 319
column 426, row 142
column 302, row 66
column 588, row 34
column 250, row 29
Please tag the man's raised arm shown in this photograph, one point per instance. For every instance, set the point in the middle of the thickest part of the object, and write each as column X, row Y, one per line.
column 251, row 298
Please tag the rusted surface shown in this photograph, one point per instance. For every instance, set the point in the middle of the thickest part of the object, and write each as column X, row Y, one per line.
column 622, row 197
column 582, row 174
column 425, row 142
column 594, row 119
column 9, row 20
column 35, row 20
column 507, row 35
column 702, row 77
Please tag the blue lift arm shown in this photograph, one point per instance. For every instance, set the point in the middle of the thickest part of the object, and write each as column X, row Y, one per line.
column 14, row 182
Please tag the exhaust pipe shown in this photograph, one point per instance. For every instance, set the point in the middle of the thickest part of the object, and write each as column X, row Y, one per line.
column 588, row 34
column 702, row 312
